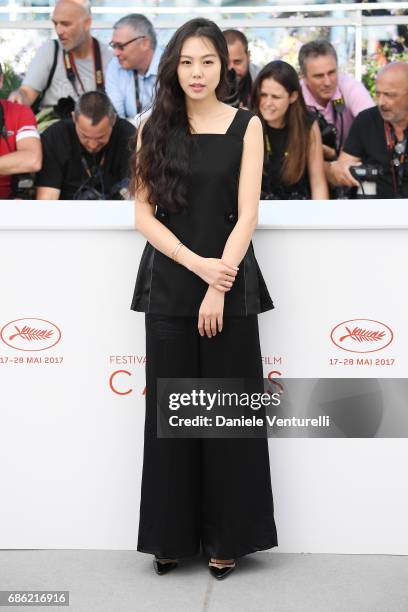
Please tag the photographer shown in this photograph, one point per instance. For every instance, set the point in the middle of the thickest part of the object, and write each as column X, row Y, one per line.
column 131, row 75
column 86, row 157
column 241, row 72
column 377, row 142
column 62, row 70
column 20, row 145
column 335, row 98
column 293, row 157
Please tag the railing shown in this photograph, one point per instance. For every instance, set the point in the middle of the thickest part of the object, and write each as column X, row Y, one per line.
column 266, row 17
column 273, row 214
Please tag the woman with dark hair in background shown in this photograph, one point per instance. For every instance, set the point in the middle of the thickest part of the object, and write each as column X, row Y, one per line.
column 197, row 177
column 293, row 162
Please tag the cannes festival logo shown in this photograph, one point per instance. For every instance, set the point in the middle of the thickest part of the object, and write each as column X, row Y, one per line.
column 30, row 334
column 362, row 335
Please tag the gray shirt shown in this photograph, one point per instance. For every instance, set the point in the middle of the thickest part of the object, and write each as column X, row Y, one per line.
column 40, row 68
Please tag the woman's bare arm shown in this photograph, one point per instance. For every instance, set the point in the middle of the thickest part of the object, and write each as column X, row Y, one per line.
column 248, row 194
column 210, row 316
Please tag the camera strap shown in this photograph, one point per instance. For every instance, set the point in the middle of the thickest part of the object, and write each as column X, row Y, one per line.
column 98, row 167
column 397, row 152
column 338, row 108
column 73, row 74
column 268, row 146
column 137, row 92
column 86, row 166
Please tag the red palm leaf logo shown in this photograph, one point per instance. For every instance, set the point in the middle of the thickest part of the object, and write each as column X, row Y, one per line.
column 362, row 335
column 29, row 333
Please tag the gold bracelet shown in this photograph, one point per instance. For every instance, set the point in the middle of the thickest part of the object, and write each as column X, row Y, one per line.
column 174, row 250
column 173, row 255
column 179, row 247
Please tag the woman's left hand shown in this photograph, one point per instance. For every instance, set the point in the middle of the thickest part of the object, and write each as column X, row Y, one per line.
column 211, row 311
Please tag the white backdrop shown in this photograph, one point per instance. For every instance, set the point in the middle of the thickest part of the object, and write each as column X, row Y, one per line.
column 72, row 415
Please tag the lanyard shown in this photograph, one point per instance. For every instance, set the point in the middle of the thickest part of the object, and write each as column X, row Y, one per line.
column 99, row 170
column 338, row 109
column 268, row 147
column 137, row 92
column 86, row 166
column 72, row 71
column 397, row 151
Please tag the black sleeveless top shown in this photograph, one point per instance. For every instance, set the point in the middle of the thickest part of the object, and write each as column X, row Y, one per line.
column 164, row 286
column 273, row 187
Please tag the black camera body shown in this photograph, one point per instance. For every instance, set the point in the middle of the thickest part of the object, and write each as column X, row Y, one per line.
column 232, row 98
column 23, row 186
column 328, row 131
column 87, row 191
column 366, row 172
column 367, row 176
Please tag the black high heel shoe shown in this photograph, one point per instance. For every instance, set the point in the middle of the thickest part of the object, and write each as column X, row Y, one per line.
column 163, row 566
column 220, row 570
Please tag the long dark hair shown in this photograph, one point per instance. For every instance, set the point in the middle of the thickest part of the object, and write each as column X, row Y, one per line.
column 161, row 166
column 296, row 118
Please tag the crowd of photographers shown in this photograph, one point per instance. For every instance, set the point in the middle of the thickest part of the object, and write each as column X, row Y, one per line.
column 68, row 131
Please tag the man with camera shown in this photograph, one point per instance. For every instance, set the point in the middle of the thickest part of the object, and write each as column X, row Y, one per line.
column 131, row 75
column 86, row 157
column 20, row 146
column 336, row 99
column 375, row 155
column 62, row 70
column 241, row 72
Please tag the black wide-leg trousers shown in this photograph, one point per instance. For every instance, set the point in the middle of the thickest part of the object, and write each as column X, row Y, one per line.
column 213, row 492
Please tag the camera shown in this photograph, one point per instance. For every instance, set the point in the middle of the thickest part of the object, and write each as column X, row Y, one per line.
column 367, row 175
column 23, row 186
column 64, row 108
column 120, row 190
column 328, row 131
column 87, row 191
column 233, row 95
column 367, row 172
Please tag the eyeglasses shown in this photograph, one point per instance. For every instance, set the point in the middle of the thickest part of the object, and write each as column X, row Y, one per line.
column 121, row 46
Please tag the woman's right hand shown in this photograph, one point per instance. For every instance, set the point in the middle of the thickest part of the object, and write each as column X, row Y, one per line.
column 215, row 272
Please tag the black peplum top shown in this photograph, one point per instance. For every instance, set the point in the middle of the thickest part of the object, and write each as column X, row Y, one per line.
column 164, row 286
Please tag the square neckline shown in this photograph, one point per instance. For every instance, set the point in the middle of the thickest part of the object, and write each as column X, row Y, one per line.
column 218, row 133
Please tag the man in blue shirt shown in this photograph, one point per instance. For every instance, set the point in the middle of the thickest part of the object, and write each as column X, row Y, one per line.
column 131, row 74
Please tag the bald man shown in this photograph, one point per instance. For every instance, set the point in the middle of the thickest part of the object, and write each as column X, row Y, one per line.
column 72, row 21
column 379, row 137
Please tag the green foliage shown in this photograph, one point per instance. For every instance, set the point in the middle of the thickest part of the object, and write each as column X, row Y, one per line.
column 10, row 81
column 370, row 72
column 373, row 64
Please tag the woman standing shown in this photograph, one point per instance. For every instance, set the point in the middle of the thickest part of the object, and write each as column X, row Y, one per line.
column 293, row 163
column 197, row 177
